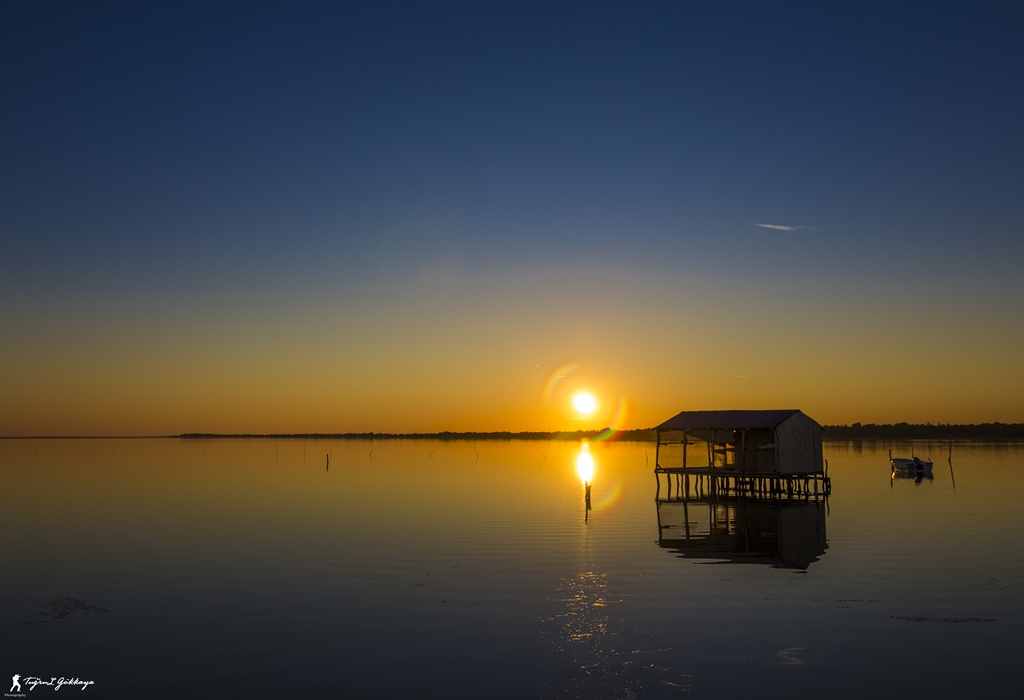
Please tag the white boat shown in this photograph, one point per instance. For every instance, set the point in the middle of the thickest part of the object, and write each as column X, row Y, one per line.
column 910, row 465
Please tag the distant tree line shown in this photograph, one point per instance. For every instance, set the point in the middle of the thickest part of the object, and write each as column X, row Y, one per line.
column 857, row 431
column 928, row 431
column 446, row 435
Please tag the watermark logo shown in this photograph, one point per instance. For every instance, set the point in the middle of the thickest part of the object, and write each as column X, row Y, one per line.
column 33, row 682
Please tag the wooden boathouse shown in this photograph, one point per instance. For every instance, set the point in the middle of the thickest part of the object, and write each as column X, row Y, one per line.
column 772, row 453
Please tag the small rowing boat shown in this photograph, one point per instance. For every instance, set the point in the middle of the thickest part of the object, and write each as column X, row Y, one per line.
column 910, row 465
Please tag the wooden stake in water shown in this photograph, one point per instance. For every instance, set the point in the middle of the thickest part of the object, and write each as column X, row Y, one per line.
column 951, row 477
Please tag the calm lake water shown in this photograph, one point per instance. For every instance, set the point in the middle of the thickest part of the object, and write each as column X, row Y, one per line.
column 251, row 568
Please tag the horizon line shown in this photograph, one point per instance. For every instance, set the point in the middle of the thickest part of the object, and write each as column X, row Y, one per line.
column 471, row 433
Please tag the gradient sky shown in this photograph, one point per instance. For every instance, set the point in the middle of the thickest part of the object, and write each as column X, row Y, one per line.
column 421, row 216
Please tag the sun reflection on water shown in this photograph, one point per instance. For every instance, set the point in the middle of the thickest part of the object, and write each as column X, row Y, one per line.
column 602, row 657
column 585, row 463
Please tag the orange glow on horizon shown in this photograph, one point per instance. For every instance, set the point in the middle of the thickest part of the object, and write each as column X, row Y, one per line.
column 93, row 367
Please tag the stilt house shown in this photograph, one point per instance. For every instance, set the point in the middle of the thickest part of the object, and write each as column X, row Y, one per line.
column 758, row 443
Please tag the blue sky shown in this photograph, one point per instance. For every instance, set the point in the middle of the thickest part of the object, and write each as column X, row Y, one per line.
column 188, row 165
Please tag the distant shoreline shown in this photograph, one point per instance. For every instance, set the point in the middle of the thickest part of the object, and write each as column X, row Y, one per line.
column 632, row 435
column 857, row 431
column 928, row 431
column 833, row 433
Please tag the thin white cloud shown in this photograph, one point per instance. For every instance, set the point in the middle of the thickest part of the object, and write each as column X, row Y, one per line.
column 780, row 227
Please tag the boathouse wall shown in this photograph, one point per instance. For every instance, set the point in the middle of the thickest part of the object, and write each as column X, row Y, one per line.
column 798, row 446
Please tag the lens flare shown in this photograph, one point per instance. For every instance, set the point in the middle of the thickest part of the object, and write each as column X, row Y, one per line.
column 616, row 421
column 556, row 379
column 572, row 393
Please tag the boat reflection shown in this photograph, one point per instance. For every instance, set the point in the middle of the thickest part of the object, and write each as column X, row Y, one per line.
column 917, row 476
column 783, row 533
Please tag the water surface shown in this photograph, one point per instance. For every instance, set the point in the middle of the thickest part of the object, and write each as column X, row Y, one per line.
column 254, row 568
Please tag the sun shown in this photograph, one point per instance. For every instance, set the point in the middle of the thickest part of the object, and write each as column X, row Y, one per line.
column 584, row 403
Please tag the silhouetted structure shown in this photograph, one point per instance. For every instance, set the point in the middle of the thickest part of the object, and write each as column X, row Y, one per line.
column 765, row 453
column 758, row 486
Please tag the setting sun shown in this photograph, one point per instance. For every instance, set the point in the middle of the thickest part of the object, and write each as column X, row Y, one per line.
column 584, row 403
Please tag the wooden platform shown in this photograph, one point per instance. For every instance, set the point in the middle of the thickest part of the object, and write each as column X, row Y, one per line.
column 710, row 481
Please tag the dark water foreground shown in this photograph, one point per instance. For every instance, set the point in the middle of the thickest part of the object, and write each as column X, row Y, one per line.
column 260, row 568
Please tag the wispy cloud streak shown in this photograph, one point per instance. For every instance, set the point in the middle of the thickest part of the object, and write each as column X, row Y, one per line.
column 780, row 227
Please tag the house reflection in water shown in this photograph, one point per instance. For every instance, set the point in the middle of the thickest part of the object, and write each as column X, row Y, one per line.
column 741, row 529
column 759, row 487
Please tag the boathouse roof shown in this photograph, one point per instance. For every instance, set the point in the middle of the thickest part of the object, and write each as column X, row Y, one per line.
column 727, row 420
